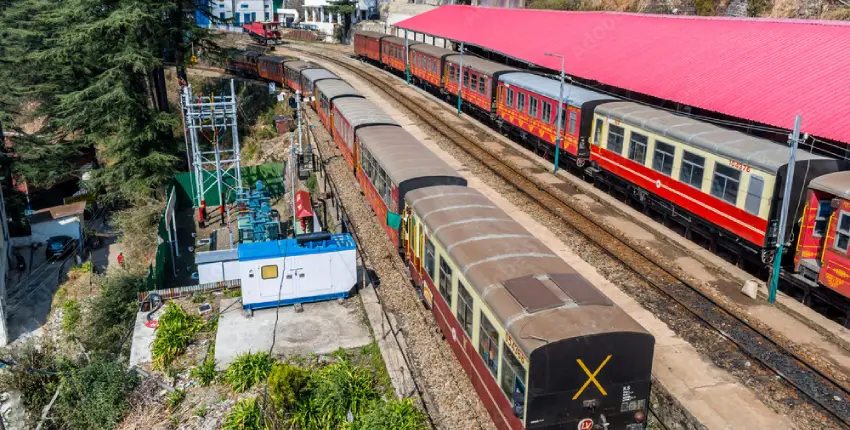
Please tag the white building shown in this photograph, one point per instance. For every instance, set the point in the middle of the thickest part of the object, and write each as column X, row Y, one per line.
column 315, row 13
column 243, row 11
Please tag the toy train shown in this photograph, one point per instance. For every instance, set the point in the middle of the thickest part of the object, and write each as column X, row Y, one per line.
column 722, row 188
column 543, row 347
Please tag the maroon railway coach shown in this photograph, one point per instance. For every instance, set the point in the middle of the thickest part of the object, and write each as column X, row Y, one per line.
column 326, row 92
column 349, row 115
column 427, row 63
column 480, row 82
column 367, row 44
column 393, row 52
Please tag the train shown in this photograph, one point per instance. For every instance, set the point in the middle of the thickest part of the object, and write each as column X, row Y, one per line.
column 721, row 188
column 543, row 347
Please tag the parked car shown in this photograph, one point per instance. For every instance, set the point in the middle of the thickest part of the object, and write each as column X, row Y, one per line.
column 59, row 246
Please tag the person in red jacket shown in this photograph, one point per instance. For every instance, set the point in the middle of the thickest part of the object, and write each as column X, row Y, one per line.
column 120, row 259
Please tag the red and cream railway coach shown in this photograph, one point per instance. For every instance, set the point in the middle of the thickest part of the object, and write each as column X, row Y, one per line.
column 480, row 81
column 543, row 347
column 527, row 104
column 724, row 185
column 326, row 92
column 349, row 115
column 367, row 44
column 292, row 73
column 270, row 68
column 823, row 250
column 393, row 52
column 309, row 78
column 393, row 163
column 427, row 63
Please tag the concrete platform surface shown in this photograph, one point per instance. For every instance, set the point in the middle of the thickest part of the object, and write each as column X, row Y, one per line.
column 688, row 376
column 143, row 336
column 321, row 328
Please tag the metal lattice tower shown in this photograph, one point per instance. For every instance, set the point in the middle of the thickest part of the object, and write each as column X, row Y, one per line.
column 208, row 120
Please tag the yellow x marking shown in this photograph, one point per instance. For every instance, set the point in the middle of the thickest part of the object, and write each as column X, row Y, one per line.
column 591, row 377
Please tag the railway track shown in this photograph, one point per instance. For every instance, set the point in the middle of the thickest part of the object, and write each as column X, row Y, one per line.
column 816, row 386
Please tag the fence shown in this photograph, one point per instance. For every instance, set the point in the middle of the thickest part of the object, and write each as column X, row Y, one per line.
column 181, row 194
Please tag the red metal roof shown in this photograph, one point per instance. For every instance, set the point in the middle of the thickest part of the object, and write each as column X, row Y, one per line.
column 303, row 206
column 763, row 70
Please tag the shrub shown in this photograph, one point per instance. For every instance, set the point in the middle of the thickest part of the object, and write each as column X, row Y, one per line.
column 71, row 315
column 108, row 322
column 95, row 396
column 176, row 330
column 393, row 415
column 248, row 370
column 205, row 373
column 312, row 184
column 246, row 415
column 82, row 268
column 287, row 385
column 36, row 388
column 342, row 387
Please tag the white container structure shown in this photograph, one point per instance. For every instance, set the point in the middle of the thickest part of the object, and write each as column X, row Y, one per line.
column 310, row 268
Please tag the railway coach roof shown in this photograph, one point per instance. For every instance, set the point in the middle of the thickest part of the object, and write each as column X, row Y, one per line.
column 515, row 274
column 761, row 153
column 434, row 51
column 398, row 40
column 481, row 64
column 333, row 88
column 274, row 58
column 837, row 183
column 764, row 70
column 359, row 112
column 300, row 65
column 315, row 74
column 575, row 96
column 372, row 34
column 401, row 155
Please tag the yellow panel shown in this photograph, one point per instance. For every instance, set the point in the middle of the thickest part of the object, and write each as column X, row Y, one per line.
column 269, row 272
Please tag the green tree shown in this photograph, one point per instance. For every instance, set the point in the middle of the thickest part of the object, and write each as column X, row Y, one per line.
column 346, row 8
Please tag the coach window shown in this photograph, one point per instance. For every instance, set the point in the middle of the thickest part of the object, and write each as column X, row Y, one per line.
column 842, row 234
column 488, row 344
column 753, row 202
column 445, row 286
column 510, row 99
column 822, row 217
column 637, row 148
column 724, row 184
column 482, row 85
column 662, row 160
column 513, row 380
column 546, row 115
column 520, row 101
column 532, row 107
column 692, row 168
column 429, row 258
column 474, row 86
column 451, row 73
column 573, row 122
column 466, row 79
column 464, row 309
column 615, row 139
column 597, row 136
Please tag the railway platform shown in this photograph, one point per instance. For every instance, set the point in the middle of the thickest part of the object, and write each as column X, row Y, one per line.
column 715, row 398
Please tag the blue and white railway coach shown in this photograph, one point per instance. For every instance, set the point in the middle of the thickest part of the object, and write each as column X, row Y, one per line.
column 543, row 347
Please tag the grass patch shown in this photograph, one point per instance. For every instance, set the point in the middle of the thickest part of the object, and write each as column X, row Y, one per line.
column 174, row 398
column 248, row 370
column 109, row 315
column 71, row 314
column 394, row 414
column 246, row 415
column 376, row 361
column 82, row 269
column 205, row 373
column 312, row 184
column 176, row 330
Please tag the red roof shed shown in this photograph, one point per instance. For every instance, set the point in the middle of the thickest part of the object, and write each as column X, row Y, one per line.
column 303, row 206
column 762, row 70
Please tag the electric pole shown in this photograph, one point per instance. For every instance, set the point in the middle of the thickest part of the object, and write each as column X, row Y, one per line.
column 459, row 82
column 794, row 141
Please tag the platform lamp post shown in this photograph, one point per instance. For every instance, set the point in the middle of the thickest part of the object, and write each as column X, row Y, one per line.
column 794, row 141
column 459, row 82
column 406, row 57
column 560, row 111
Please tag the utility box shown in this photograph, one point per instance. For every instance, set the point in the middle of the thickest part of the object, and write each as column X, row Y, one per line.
column 308, row 268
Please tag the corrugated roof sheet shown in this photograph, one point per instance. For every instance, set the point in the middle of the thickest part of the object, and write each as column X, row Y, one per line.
column 574, row 95
column 492, row 250
column 834, row 183
column 402, row 156
column 359, row 112
column 756, row 69
column 761, row 153
column 333, row 88
column 314, row 74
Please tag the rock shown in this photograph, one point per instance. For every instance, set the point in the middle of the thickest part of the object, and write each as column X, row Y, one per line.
column 751, row 289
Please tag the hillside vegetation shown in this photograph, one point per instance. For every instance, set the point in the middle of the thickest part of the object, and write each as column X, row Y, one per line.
column 806, row 9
